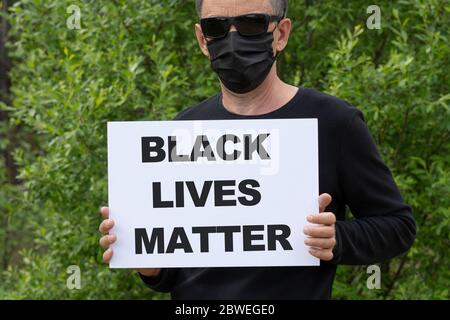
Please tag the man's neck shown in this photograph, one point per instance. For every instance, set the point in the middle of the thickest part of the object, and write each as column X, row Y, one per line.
column 272, row 94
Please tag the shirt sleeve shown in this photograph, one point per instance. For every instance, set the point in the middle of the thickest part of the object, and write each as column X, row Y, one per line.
column 384, row 226
column 164, row 282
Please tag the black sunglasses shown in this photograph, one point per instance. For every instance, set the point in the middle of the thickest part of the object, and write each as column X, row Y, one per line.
column 247, row 25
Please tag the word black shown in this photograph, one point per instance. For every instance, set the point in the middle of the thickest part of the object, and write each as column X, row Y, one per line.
column 153, row 149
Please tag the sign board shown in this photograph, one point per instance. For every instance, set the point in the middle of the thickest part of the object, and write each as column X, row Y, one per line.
column 217, row 193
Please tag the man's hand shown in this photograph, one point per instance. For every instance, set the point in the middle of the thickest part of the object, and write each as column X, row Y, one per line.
column 108, row 239
column 321, row 237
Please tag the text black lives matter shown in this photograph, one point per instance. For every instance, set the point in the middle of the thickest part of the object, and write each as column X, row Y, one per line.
column 157, row 149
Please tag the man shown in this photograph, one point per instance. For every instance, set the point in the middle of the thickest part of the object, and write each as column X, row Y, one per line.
column 242, row 40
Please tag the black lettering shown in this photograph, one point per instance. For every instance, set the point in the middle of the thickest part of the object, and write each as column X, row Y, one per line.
column 204, row 236
column 140, row 236
column 249, row 236
column 255, row 194
column 173, row 156
column 179, row 233
column 221, row 147
column 147, row 149
column 255, row 145
column 157, row 202
column 199, row 200
column 228, row 235
column 202, row 141
column 220, row 192
column 179, row 194
column 273, row 237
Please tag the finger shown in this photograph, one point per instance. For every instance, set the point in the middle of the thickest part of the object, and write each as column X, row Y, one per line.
column 325, row 255
column 319, row 232
column 106, row 226
column 324, row 201
column 322, row 243
column 107, row 240
column 326, row 218
column 107, row 255
column 104, row 211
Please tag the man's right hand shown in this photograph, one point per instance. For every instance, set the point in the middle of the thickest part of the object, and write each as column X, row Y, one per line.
column 108, row 239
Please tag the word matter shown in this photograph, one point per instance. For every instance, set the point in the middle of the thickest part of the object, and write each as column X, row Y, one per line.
column 179, row 239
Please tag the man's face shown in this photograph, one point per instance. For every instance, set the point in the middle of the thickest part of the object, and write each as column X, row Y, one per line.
column 232, row 8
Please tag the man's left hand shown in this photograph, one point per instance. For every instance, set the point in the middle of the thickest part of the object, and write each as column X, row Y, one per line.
column 321, row 236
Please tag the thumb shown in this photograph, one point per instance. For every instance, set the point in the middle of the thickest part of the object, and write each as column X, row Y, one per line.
column 324, row 201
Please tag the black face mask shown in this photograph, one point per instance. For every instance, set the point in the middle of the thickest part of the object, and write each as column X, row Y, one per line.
column 242, row 63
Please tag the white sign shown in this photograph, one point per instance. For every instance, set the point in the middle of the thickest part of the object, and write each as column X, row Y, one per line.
column 212, row 193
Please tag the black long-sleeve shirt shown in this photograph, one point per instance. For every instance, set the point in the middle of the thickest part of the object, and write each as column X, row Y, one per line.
column 351, row 171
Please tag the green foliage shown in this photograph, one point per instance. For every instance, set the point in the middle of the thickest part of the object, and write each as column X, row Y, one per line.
column 139, row 60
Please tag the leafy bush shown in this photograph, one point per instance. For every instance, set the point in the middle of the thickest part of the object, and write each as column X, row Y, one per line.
column 139, row 60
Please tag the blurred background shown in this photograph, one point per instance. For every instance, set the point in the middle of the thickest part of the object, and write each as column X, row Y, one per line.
column 67, row 67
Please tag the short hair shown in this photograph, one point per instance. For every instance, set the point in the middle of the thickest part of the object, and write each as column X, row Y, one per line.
column 280, row 7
